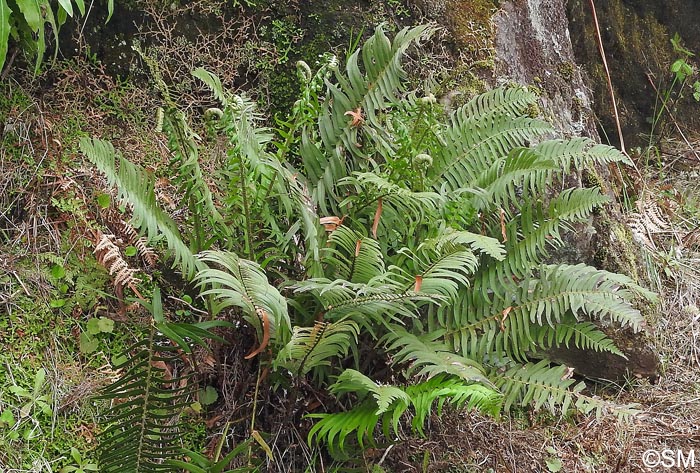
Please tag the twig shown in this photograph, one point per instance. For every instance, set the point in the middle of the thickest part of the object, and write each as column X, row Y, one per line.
column 607, row 75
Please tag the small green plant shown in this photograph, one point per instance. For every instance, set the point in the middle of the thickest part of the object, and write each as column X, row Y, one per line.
column 81, row 465
column 684, row 73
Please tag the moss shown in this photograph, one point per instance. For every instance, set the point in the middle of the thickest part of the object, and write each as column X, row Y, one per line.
column 471, row 27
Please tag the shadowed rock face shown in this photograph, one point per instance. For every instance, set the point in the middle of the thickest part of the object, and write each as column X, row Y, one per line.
column 534, row 47
column 636, row 35
column 641, row 362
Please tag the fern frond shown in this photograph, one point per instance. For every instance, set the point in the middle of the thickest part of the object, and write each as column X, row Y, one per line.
column 147, row 402
column 353, row 382
column 579, row 152
column 402, row 208
column 484, row 244
column 354, row 257
column 429, row 357
column 367, row 305
column 455, row 391
column 366, row 94
column 541, row 385
column 511, row 322
column 243, row 284
column 135, row 186
column 433, row 271
column 480, row 133
column 585, row 335
column 311, row 347
column 333, row 429
column 521, row 170
column 531, row 233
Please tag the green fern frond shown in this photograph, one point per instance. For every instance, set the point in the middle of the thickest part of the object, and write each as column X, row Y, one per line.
column 368, row 305
column 353, row 257
column 453, row 390
column 353, row 382
column 430, row 358
column 148, row 401
column 531, row 233
column 366, row 94
column 333, row 429
column 242, row 283
column 579, row 152
column 523, row 169
column 542, row 385
column 511, row 322
column 135, row 186
column 442, row 271
column 477, row 137
column 311, row 347
column 510, row 101
column 189, row 178
column 585, row 335
column 537, row 384
column 402, row 208
column 484, row 244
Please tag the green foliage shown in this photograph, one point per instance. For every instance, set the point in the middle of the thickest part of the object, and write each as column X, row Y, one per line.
column 433, row 259
column 143, row 422
column 25, row 22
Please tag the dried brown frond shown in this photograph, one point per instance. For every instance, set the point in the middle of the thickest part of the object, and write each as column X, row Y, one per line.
column 109, row 255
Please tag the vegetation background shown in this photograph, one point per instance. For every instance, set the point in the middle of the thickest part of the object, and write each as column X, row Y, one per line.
column 344, row 240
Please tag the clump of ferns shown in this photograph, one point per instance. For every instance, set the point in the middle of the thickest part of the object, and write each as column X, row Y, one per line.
column 434, row 252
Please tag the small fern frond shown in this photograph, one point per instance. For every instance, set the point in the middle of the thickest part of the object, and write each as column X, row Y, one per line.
column 455, row 391
column 579, row 152
column 542, row 385
column 353, row 257
column 242, row 283
column 333, row 429
column 430, row 358
column 484, row 244
column 311, row 347
column 353, row 382
column 401, row 209
column 538, row 384
column 135, row 186
column 585, row 335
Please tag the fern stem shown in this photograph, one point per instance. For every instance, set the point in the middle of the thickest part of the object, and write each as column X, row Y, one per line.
column 246, row 212
column 255, row 410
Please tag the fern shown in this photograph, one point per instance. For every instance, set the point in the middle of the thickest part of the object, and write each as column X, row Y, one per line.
column 135, row 187
column 311, row 347
column 552, row 387
column 389, row 403
column 148, row 398
column 242, row 283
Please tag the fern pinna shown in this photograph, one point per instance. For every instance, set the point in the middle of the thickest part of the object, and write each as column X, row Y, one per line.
column 433, row 257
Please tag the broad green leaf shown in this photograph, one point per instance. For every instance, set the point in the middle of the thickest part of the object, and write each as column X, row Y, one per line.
column 5, row 13
column 103, row 200
column 81, row 6
column 87, row 344
column 105, row 325
column 130, row 251
column 208, row 396
column 67, row 6
column 58, row 271
column 93, row 326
